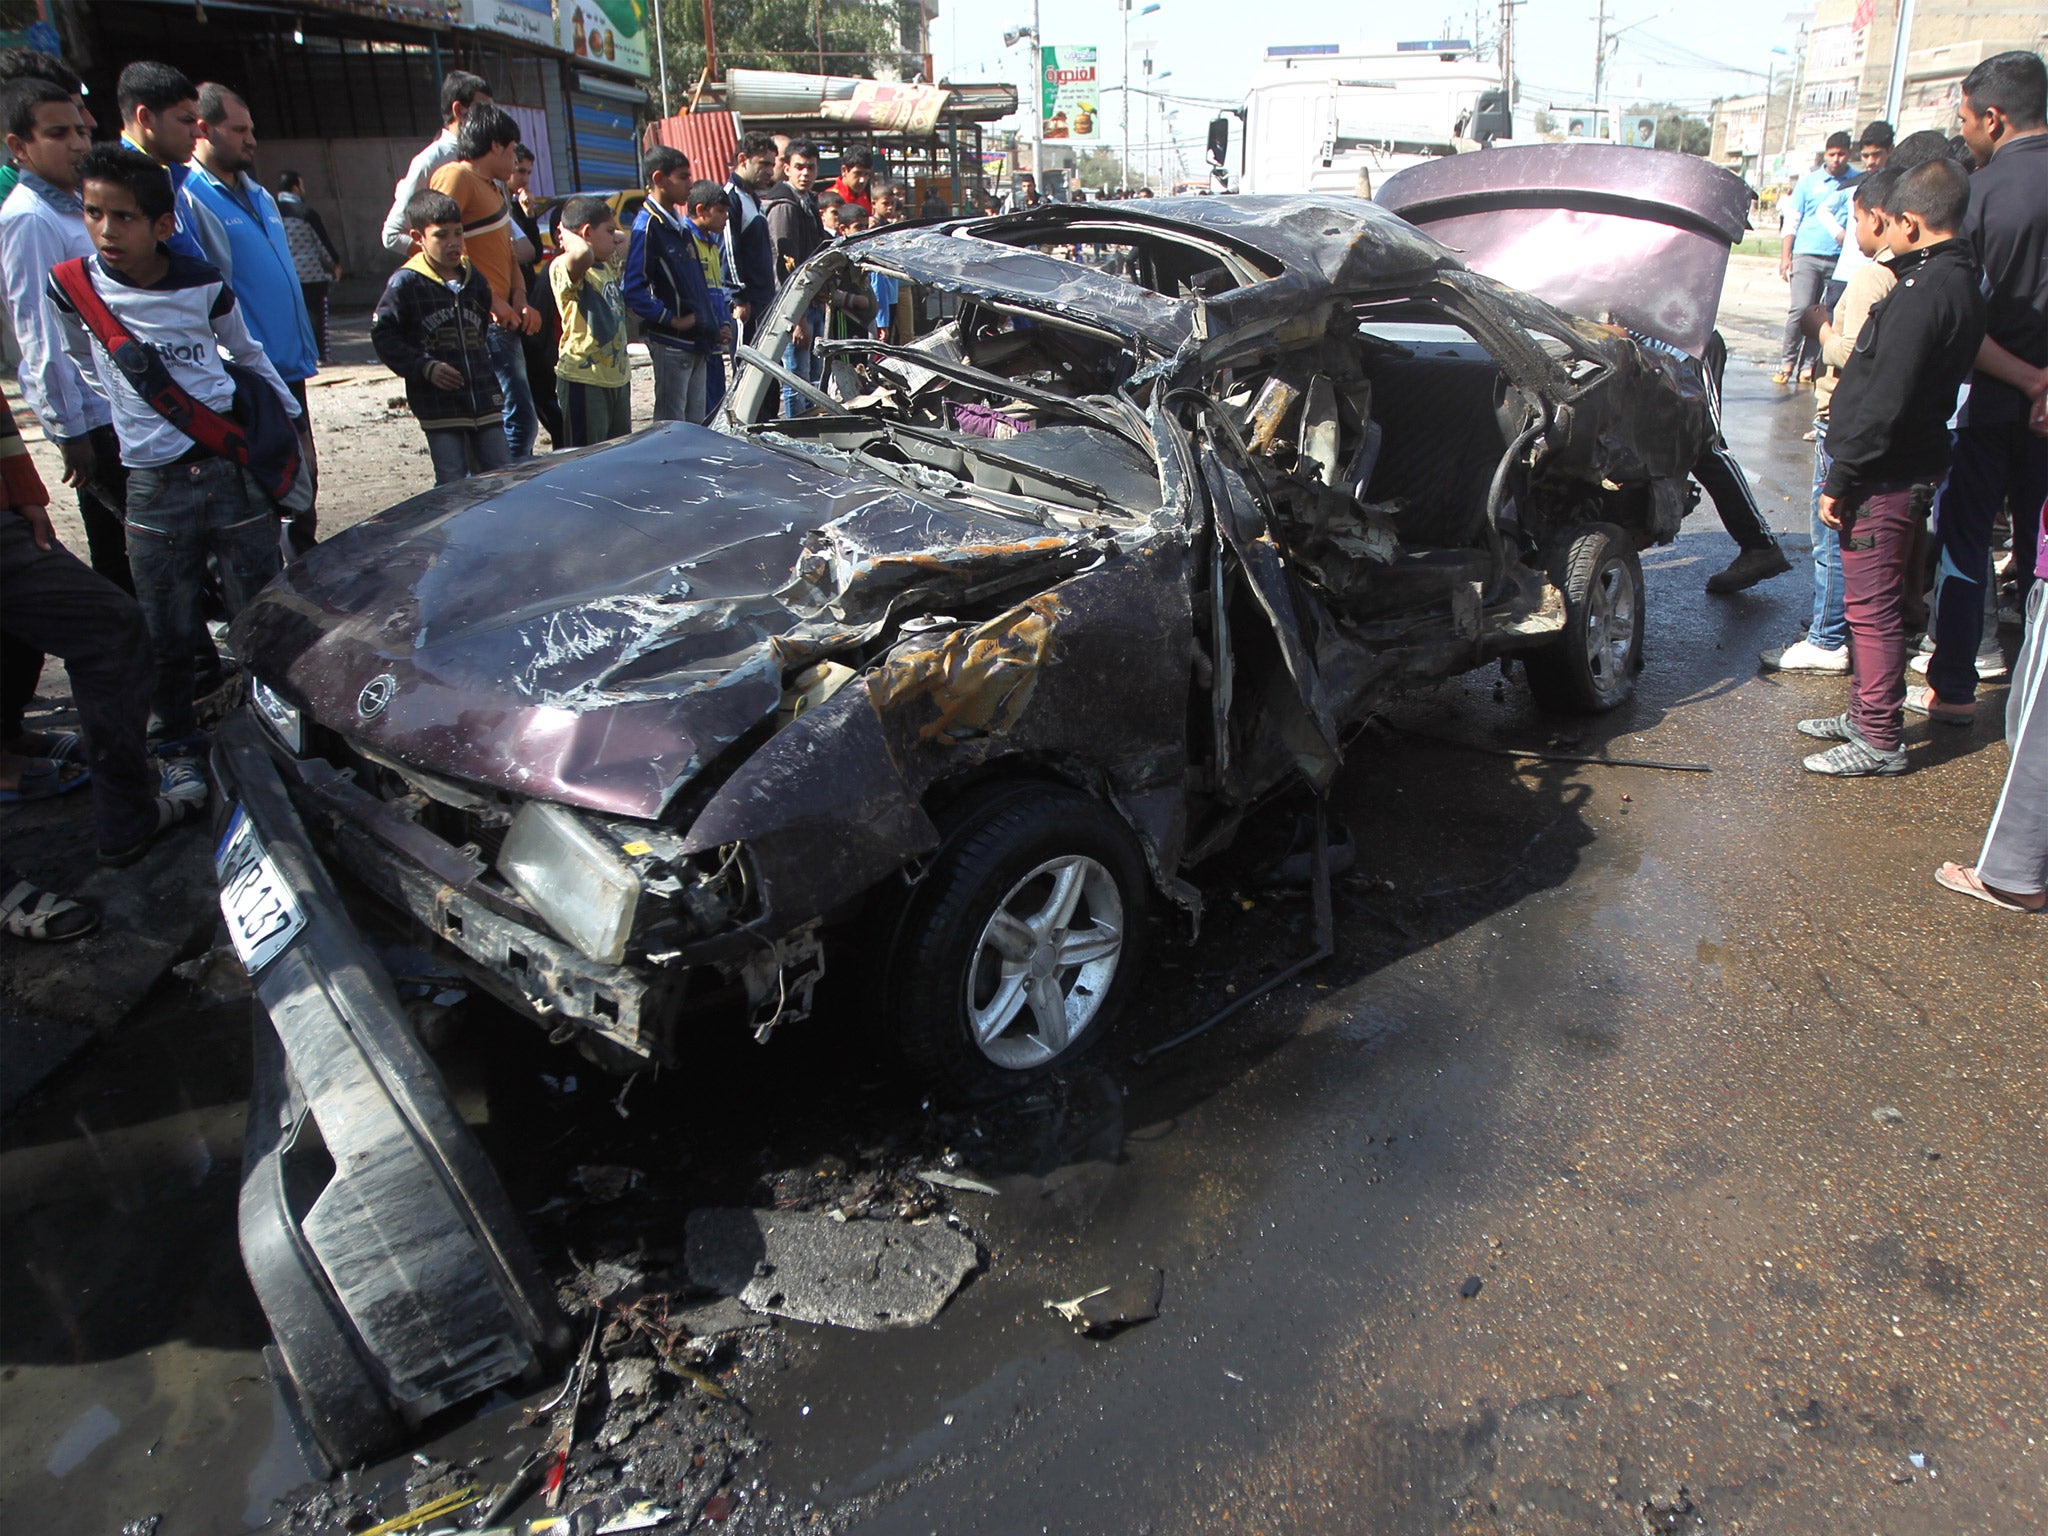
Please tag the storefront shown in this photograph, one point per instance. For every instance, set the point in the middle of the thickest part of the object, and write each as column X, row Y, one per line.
column 347, row 93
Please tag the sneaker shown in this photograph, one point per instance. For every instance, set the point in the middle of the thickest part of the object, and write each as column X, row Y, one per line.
column 181, row 779
column 1805, row 656
column 1992, row 666
column 1923, row 701
column 1831, row 728
column 1749, row 568
column 1857, row 759
column 181, row 797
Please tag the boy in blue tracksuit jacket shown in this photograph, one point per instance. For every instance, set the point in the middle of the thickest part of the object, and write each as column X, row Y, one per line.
column 682, row 314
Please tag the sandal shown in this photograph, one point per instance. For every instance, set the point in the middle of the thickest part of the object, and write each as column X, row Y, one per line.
column 1967, row 882
column 56, row 746
column 29, row 912
column 1782, row 377
column 44, row 778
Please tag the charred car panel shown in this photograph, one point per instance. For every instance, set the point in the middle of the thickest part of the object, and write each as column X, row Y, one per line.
column 1149, row 507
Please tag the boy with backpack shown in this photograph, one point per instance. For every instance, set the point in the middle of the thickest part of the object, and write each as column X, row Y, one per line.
column 431, row 328
column 212, row 450
column 1887, row 432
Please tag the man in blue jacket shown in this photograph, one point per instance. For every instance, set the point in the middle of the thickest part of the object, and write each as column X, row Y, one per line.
column 665, row 286
column 1817, row 217
column 239, row 227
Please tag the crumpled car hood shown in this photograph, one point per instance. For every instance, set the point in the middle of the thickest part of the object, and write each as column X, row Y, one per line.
column 599, row 627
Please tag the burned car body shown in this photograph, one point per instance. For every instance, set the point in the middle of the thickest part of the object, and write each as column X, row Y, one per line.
column 949, row 677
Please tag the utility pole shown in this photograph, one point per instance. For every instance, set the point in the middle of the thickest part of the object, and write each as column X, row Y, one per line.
column 1895, row 93
column 1507, row 48
column 1792, row 98
column 1127, row 96
column 661, row 57
column 1037, row 99
column 1599, row 62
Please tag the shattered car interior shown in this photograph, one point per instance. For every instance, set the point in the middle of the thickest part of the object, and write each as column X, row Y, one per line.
column 948, row 680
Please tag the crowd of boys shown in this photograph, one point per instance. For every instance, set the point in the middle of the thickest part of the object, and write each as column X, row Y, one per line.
column 165, row 306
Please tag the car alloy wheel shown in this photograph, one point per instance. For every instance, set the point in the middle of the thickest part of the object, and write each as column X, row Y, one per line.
column 1045, row 963
column 1610, row 627
column 1593, row 664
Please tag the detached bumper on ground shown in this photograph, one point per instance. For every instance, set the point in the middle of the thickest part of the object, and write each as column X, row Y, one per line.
column 392, row 1268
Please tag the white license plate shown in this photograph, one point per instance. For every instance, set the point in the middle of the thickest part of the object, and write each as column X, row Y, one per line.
column 263, row 915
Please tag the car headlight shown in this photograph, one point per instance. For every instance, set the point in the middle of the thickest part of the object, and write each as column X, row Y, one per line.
column 282, row 717
column 571, row 877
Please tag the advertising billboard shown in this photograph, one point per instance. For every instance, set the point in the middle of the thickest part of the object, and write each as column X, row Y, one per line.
column 531, row 21
column 615, row 33
column 1069, row 95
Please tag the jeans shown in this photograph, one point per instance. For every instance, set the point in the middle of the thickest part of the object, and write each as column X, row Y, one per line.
column 594, row 413
column 804, row 363
column 181, row 516
column 50, row 602
column 2015, row 856
column 508, row 361
column 1999, row 464
column 681, row 383
column 1810, row 275
column 1830, row 627
column 458, row 452
column 1874, row 548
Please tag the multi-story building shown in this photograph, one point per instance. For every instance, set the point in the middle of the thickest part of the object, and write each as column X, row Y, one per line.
column 1845, row 72
column 1749, row 131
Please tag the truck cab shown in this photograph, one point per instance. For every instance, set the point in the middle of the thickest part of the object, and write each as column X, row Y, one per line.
column 1320, row 117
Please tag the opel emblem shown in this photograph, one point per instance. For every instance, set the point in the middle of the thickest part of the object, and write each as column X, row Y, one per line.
column 376, row 694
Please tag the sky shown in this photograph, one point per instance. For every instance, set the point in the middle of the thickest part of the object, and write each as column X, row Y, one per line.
column 1684, row 53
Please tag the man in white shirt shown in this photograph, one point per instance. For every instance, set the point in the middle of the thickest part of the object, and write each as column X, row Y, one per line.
column 460, row 91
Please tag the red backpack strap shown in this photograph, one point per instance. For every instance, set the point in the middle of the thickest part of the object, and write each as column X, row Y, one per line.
column 70, row 276
column 141, row 365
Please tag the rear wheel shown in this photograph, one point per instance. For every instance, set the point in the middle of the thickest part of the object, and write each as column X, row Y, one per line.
column 1021, row 944
column 1594, row 664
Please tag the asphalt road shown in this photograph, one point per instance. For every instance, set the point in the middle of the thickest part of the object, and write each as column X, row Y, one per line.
column 1733, row 1113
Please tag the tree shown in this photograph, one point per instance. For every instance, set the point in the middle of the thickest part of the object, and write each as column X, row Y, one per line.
column 1098, row 168
column 829, row 37
column 1676, row 128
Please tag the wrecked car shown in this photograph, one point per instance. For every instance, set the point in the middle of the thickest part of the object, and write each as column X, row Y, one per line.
column 949, row 679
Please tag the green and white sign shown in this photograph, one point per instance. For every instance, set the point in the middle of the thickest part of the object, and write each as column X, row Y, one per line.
column 1069, row 97
column 616, row 33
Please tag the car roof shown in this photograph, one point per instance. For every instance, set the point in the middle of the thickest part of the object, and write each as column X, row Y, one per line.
column 1310, row 245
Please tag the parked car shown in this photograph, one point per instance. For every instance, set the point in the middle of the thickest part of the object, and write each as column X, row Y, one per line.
column 950, row 681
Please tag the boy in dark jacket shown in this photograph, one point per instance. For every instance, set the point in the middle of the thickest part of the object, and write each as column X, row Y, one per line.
column 1888, row 432
column 430, row 329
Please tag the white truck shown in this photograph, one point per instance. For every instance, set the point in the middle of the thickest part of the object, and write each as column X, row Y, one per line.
column 1318, row 116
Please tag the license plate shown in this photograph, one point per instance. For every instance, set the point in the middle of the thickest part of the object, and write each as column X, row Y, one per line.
column 263, row 916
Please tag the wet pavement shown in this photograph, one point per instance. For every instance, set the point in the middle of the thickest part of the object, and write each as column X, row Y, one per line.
column 1734, row 1117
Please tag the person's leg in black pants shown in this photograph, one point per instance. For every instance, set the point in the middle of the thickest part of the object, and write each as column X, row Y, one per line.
column 51, row 602
column 1757, row 556
column 21, row 669
column 302, row 529
column 103, row 508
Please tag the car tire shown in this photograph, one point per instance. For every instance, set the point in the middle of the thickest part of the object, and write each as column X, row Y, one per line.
column 1594, row 664
column 987, row 984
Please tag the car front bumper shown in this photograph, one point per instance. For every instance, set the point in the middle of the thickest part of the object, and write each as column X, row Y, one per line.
column 392, row 1268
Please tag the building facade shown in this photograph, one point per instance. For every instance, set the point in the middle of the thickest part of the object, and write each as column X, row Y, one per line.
column 347, row 91
column 1846, row 71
